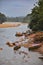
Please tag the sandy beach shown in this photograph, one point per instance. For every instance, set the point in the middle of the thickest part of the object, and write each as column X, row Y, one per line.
column 6, row 25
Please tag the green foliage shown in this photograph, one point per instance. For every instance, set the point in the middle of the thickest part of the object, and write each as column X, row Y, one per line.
column 15, row 19
column 2, row 18
column 36, row 23
column 27, row 18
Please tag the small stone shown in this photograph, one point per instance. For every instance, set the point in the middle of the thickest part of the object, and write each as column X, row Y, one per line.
column 1, row 48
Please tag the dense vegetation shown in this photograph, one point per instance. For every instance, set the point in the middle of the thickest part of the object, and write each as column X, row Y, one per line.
column 2, row 18
column 36, row 23
column 15, row 19
column 23, row 19
column 27, row 18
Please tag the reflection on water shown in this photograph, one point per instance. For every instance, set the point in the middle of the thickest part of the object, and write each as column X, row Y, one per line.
column 8, row 56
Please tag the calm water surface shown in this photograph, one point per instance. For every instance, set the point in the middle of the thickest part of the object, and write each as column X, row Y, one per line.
column 7, row 55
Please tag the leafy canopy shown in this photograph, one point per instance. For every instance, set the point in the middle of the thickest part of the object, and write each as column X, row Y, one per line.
column 36, row 23
column 2, row 18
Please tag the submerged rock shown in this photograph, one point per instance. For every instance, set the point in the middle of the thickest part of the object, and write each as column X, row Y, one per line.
column 24, row 51
column 17, row 47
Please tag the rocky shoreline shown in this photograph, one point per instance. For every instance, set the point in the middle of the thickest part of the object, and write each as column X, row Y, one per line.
column 33, row 41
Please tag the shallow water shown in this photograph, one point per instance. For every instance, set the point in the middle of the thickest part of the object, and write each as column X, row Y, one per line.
column 8, row 56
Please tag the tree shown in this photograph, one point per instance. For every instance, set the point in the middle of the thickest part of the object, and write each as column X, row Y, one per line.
column 26, row 19
column 2, row 18
column 36, row 23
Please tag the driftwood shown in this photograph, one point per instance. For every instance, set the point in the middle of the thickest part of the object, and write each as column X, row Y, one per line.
column 23, row 52
column 34, row 46
column 41, row 57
